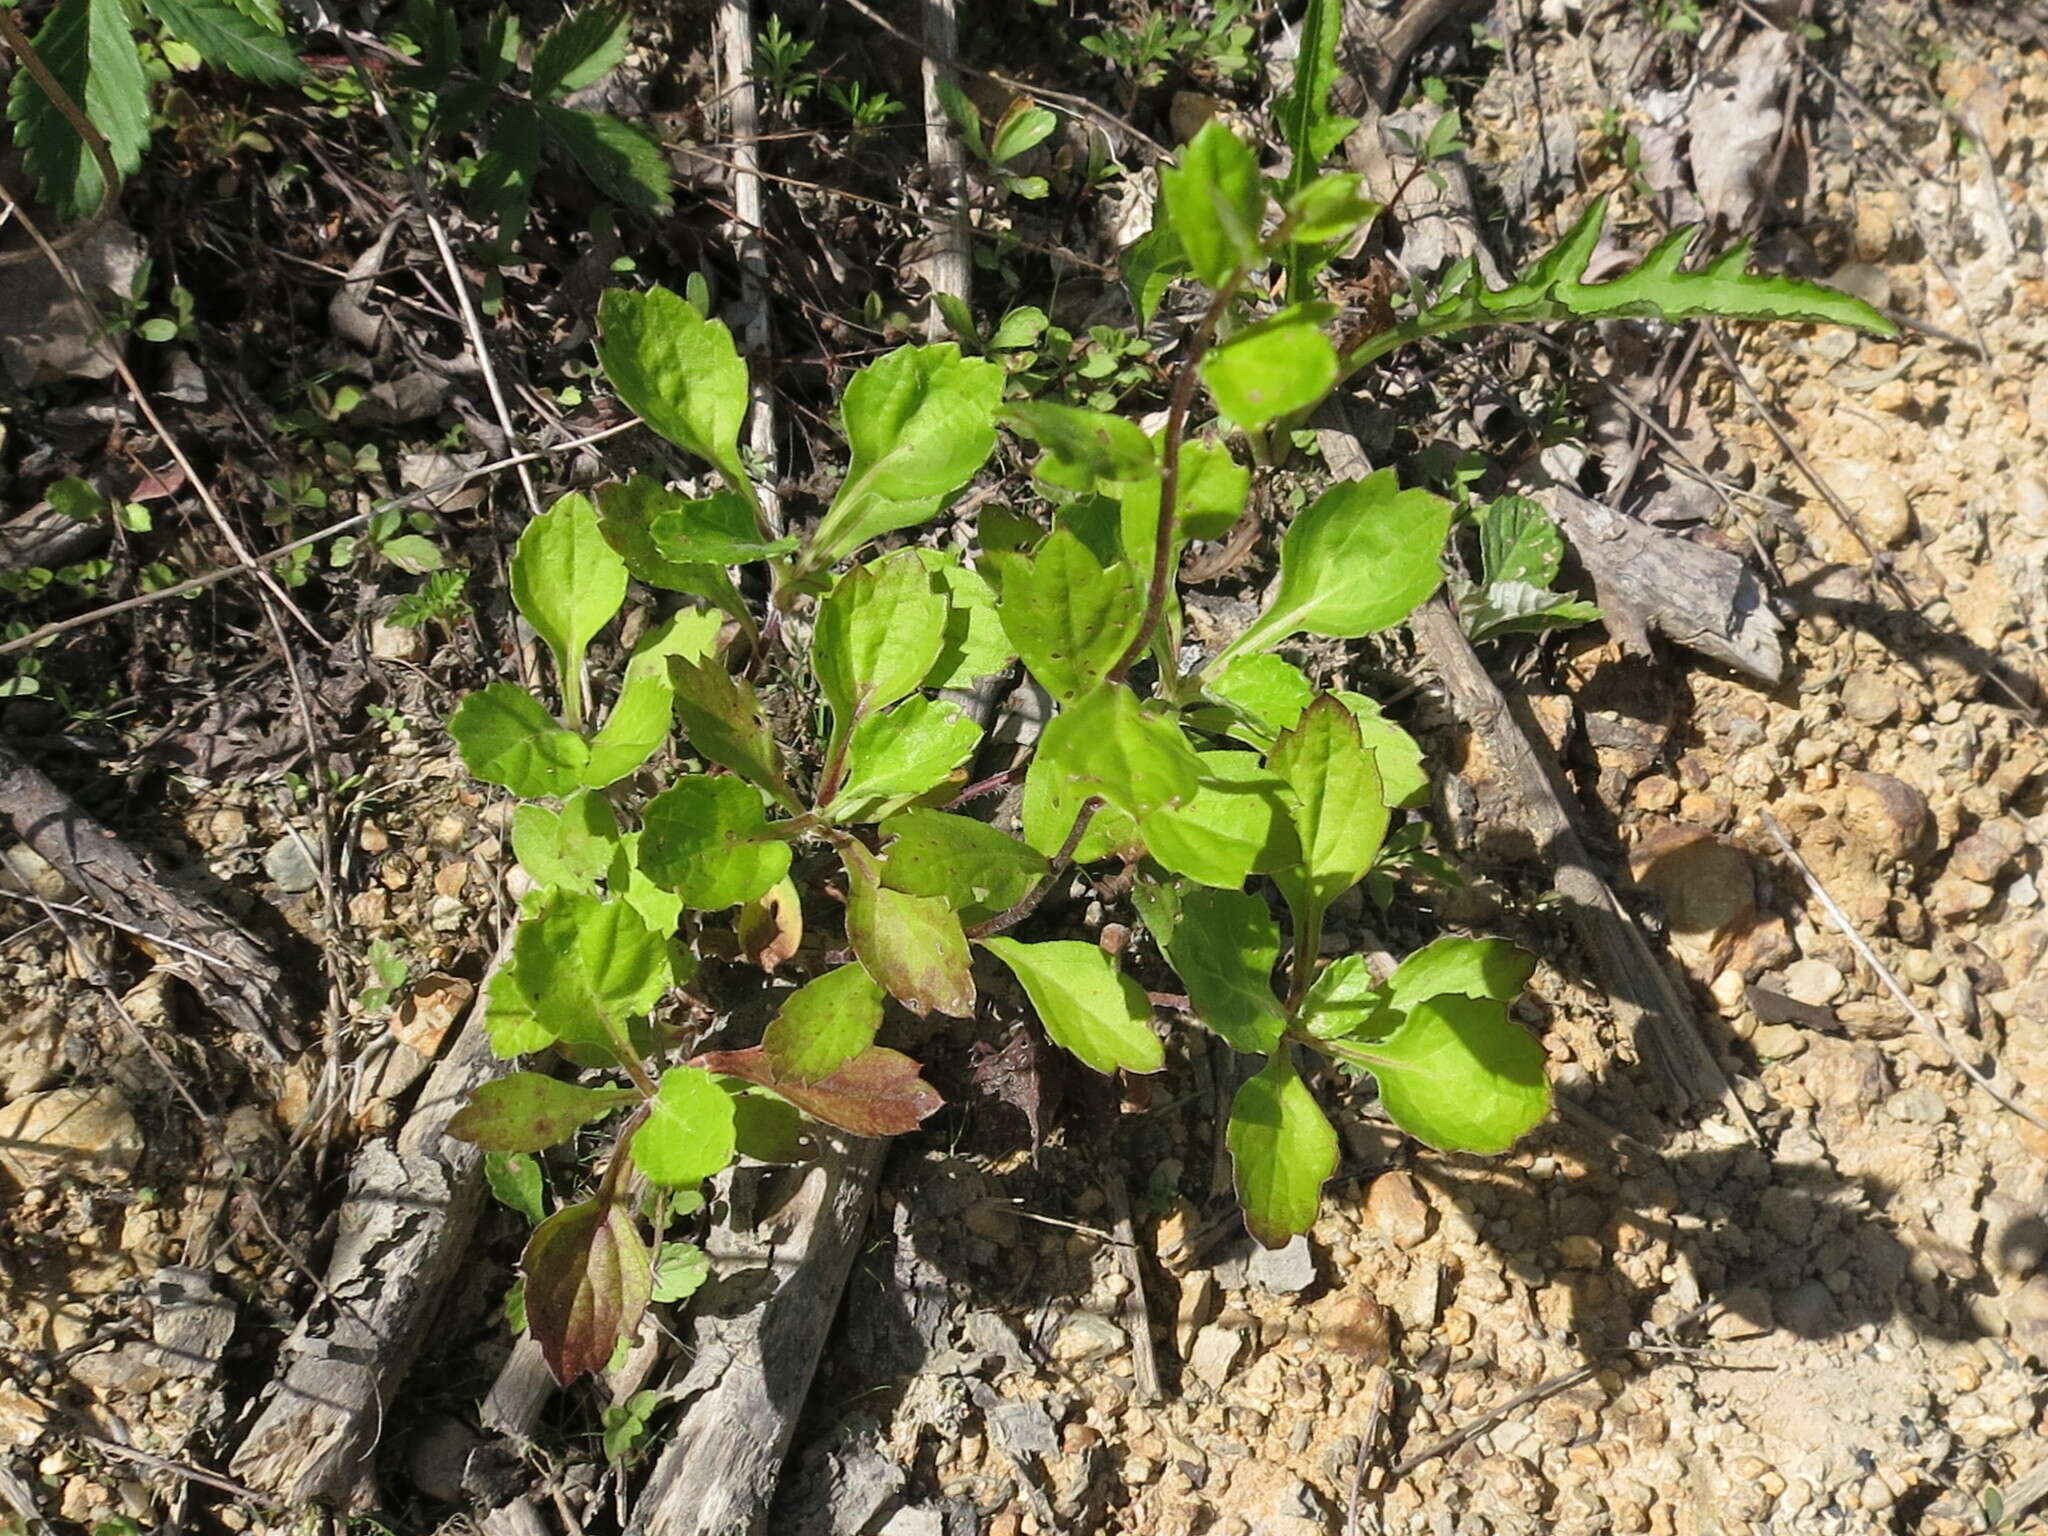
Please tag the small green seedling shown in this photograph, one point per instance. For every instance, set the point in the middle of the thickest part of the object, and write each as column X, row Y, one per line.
column 1243, row 802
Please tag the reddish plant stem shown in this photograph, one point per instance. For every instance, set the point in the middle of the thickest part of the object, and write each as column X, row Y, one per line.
column 1169, row 472
column 1005, row 920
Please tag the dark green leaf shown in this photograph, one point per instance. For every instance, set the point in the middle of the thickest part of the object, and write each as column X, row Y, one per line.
column 903, row 753
column 224, row 36
column 1223, row 946
column 919, row 421
column 968, row 864
column 913, row 945
column 581, row 51
column 1069, row 618
column 723, row 724
column 678, row 371
column 1238, row 822
column 1460, row 1075
column 585, row 968
column 622, row 162
column 878, row 1093
column 89, row 50
column 1340, row 809
column 707, row 840
column 1272, row 369
column 1090, row 442
column 1111, row 746
column 1216, row 202
column 639, row 723
column 1358, row 560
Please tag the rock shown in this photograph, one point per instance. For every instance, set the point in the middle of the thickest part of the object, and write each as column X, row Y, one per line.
column 82, row 1133
column 1813, row 982
column 1197, row 1305
column 1986, row 854
column 2030, row 505
column 1888, row 816
column 1580, row 1252
column 1285, row 1271
column 128, row 1370
column 430, row 1010
column 31, row 1052
column 447, row 914
column 44, row 337
column 1866, row 281
column 914, row 1520
column 1808, row 1310
column 1353, row 1324
column 1707, row 887
column 190, row 1321
column 1215, row 1355
column 1084, row 1336
column 1397, row 1209
column 1873, row 493
column 2026, row 1315
column 398, row 642
column 1954, row 897
column 22, row 1419
column 1869, row 699
column 861, row 1483
column 1917, row 1106
column 437, row 1456
column 990, row 1333
column 290, row 866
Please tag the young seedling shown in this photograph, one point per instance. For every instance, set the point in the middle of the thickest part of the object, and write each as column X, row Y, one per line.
column 1244, row 801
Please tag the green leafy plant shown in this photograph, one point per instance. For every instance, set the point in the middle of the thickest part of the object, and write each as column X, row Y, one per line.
column 778, row 65
column 1243, row 802
column 1023, row 126
column 1520, row 554
column 867, row 108
column 475, row 92
column 1146, row 47
column 80, row 100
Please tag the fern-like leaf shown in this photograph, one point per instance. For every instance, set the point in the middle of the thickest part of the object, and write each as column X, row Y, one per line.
column 224, row 36
column 625, row 164
column 89, row 50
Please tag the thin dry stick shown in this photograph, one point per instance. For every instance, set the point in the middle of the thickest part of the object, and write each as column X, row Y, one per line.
column 76, row 293
column 735, row 25
column 1137, row 1313
column 952, row 267
column 472, row 322
column 1079, row 105
column 1925, row 1020
column 411, row 498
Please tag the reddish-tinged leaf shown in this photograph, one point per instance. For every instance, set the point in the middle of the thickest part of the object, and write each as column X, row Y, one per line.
column 772, row 925
column 527, row 1111
column 913, row 945
column 588, row 1280
column 878, row 1093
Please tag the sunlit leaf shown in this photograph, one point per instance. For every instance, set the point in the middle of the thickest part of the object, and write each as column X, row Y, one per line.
column 588, row 1280
column 1282, row 1148
column 707, row 840
column 913, row 945
column 878, row 1093
column 1089, row 1007
column 823, row 1025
